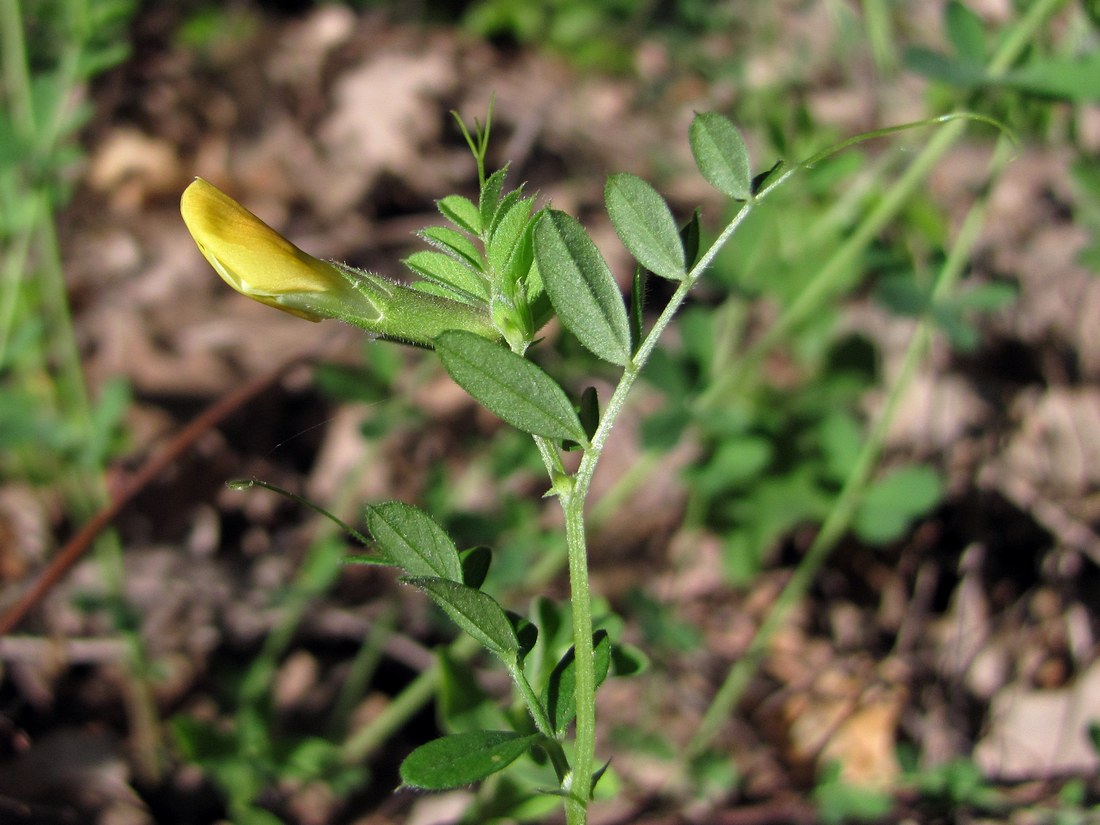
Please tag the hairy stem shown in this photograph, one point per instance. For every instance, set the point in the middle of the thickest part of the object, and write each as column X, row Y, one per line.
column 573, row 506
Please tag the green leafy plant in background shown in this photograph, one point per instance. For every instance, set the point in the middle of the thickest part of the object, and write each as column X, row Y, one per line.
column 256, row 753
column 927, row 293
column 1068, row 73
column 500, row 270
column 838, row 802
column 52, row 431
column 777, row 444
column 956, row 785
column 958, row 788
column 602, row 35
column 776, row 448
column 598, row 35
column 1086, row 178
column 49, row 51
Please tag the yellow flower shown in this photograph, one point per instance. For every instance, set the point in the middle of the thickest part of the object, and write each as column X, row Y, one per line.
column 260, row 263
column 256, row 260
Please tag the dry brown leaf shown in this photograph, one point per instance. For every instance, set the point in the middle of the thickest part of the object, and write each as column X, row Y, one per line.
column 1058, row 443
column 843, row 720
column 1042, row 733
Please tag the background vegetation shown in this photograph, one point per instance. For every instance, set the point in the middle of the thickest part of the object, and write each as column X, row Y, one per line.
column 927, row 300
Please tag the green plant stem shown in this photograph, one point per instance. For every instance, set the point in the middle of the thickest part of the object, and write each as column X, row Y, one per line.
column 363, row 667
column 312, row 579
column 16, row 75
column 624, row 487
column 580, row 781
column 880, row 35
column 72, row 391
column 554, row 750
column 850, row 203
column 309, row 583
column 573, row 502
column 11, row 278
column 534, row 705
column 365, row 741
column 1021, row 34
column 840, row 516
column 550, row 457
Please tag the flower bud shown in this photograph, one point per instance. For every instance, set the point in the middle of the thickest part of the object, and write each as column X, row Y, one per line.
column 261, row 264
column 256, row 260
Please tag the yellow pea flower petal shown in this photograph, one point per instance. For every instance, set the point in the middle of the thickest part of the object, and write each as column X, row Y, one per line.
column 252, row 257
column 261, row 264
